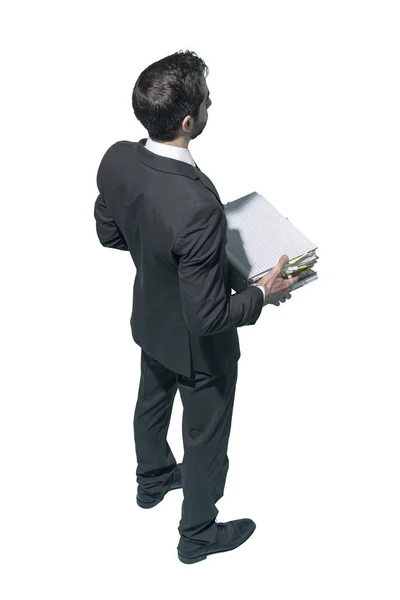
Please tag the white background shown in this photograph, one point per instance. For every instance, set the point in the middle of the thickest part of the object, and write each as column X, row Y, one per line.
column 306, row 112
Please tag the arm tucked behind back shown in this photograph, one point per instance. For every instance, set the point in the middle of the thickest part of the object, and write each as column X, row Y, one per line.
column 108, row 231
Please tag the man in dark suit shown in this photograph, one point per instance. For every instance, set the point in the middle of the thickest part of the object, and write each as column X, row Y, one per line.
column 156, row 203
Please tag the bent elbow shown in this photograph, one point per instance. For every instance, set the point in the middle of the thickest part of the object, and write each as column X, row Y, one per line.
column 196, row 329
column 202, row 322
column 202, row 328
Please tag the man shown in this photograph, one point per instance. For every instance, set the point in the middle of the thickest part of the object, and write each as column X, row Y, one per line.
column 156, row 203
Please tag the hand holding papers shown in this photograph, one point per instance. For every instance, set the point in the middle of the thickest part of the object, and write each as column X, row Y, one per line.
column 300, row 265
column 276, row 287
column 258, row 234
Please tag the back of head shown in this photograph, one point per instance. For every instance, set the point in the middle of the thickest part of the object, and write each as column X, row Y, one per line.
column 167, row 91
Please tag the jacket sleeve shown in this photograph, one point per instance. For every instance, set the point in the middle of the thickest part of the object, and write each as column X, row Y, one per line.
column 207, row 308
column 236, row 281
column 108, row 231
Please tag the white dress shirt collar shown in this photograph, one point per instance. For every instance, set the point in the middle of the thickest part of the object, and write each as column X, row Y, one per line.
column 170, row 151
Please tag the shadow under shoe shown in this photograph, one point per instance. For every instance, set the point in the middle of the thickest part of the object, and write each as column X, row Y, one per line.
column 228, row 536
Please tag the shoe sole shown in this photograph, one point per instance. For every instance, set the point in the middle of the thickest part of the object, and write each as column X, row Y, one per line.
column 148, row 504
column 151, row 504
column 190, row 561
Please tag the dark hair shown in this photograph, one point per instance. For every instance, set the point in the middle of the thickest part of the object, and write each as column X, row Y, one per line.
column 168, row 90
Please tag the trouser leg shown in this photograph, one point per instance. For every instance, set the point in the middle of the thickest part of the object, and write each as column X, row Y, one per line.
column 207, row 415
column 155, row 460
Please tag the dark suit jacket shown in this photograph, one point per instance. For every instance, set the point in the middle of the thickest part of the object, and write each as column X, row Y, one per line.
column 169, row 216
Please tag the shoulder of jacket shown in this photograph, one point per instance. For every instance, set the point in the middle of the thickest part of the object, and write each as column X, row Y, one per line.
column 118, row 148
column 116, row 156
column 200, row 214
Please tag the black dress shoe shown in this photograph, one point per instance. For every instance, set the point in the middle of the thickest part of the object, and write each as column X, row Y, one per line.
column 228, row 536
column 145, row 500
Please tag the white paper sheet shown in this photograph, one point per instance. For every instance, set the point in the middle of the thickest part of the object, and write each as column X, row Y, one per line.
column 258, row 234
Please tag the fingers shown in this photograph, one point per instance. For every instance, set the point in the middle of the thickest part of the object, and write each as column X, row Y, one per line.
column 284, row 285
column 283, row 299
column 281, row 263
column 276, row 271
column 291, row 280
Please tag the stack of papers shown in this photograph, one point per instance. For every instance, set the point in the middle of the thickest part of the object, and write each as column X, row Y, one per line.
column 300, row 265
column 258, row 234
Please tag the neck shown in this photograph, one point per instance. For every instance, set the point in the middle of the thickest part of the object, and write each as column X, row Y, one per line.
column 179, row 142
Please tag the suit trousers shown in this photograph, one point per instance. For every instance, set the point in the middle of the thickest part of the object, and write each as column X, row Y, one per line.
column 206, row 424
